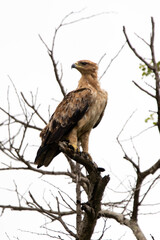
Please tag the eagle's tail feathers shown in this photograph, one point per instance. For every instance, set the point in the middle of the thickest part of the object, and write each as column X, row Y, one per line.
column 45, row 155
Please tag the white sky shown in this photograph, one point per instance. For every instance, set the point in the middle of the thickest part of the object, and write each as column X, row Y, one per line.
column 24, row 58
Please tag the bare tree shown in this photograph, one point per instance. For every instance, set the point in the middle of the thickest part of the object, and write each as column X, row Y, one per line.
column 87, row 176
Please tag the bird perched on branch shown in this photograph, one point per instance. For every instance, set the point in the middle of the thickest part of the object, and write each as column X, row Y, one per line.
column 79, row 112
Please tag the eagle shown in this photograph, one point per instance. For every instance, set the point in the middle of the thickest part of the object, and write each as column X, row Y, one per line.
column 79, row 112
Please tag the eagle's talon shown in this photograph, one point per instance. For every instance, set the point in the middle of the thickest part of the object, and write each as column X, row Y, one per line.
column 73, row 147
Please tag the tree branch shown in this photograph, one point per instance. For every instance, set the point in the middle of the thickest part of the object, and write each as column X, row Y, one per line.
column 155, row 70
column 78, row 199
column 117, row 54
column 51, row 54
column 151, row 95
column 34, row 109
column 133, row 225
column 152, row 169
column 34, row 209
column 134, row 50
column 19, row 121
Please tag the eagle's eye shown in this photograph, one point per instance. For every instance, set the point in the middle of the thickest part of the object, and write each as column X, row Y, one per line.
column 84, row 63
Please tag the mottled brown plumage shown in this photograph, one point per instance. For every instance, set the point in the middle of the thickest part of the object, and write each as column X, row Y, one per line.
column 79, row 112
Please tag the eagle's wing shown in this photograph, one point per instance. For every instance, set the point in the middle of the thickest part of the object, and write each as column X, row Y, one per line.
column 100, row 118
column 67, row 114
column 105, row 98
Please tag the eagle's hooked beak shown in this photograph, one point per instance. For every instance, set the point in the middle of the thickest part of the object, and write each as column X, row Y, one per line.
column 74, row 65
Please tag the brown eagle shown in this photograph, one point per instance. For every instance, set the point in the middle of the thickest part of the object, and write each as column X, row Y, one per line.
column 79, row 112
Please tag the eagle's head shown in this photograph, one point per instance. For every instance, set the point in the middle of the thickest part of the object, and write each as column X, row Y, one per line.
column 85, row 67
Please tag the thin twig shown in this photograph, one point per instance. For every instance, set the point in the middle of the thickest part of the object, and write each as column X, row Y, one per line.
column 33, row 107
column 150, row 94
column 111, row 61
column 19, row 121
column 51, row 54
column 148, row 190
column 119, row 142
column 138, row 134
column 85, row 18
column 142, row 39
column 9, row 120
column 100, row 60
column 19, row 100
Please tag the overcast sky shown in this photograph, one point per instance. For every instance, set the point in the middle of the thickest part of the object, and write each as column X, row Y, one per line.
column 24, row 59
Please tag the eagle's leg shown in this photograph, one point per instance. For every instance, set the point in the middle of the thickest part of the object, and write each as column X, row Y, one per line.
column 73, row 141
column 84, row 141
